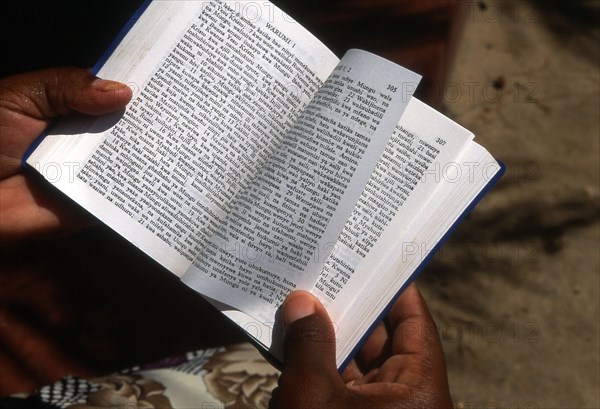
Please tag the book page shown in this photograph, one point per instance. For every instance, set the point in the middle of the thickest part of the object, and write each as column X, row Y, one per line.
column 422, row 149
column 395, row 263
column 430, row 173
column 218, row 84
column 285, row 224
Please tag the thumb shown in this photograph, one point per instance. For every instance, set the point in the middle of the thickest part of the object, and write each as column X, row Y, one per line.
column 55, row 92
column 29, row 102
column 309, row 341
column 309, row 376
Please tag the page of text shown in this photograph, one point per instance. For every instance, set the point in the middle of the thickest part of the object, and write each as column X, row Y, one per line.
column 419, row 157
column 286, row 222
column 221, row 94
column 423, row 182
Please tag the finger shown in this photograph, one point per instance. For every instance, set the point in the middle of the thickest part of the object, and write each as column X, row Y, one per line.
column 31, row 210
column 416, row 344
column 411, row 323
column 406, row 319
column 309, row 337
column 376, row 349
column 62, row 91
column 352, row 372
column 28, row 102
column 309, row 377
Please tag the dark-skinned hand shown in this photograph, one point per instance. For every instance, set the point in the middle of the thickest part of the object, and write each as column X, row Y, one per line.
column 400, row 366
column 30, row 208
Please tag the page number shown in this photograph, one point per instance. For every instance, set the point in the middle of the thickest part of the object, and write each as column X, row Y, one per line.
column 392, row 88
column 440, row 141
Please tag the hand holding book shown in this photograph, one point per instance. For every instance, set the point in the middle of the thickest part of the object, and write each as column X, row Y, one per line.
column 30, row 101
column 28, row 104
column 251, row 161
column 401, row 365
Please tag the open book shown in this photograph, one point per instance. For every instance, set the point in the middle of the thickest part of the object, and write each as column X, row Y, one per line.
column 251, row 162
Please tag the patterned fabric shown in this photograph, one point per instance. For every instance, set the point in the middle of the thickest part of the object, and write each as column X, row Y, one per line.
column 230, row 377
column 68, row 391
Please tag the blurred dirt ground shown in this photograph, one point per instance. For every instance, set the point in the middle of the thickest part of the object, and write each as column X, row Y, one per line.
column 516, row 290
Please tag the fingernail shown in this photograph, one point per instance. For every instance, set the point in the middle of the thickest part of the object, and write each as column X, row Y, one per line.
column 107, row 85
column 297, row 307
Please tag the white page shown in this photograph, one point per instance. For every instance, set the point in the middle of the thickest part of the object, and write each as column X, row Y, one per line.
column 422, row 149
column 110, row 169
column 247, row 270
column 403, row 255
column 453, row 183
